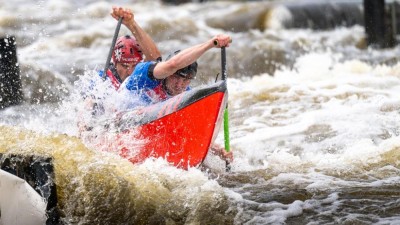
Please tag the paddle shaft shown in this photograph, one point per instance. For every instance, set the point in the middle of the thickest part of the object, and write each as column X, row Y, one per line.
column 112, row 48
column 223, row 63
column 226, row 115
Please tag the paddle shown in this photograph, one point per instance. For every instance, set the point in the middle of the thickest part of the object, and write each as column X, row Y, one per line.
column 112, row 48
column 226, row 115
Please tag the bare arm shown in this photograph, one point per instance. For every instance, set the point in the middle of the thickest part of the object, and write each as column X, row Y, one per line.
column 188, row 56
column 144, row 40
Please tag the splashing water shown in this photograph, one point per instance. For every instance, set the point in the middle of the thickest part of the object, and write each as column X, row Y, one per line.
column 317, row 142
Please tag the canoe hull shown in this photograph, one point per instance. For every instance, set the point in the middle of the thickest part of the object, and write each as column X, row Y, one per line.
column 181, row 130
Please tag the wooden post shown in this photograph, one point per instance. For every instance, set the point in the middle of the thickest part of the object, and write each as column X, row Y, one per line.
column 394, row 15
column 378, row 25
column 374, row 14
column 10, row 80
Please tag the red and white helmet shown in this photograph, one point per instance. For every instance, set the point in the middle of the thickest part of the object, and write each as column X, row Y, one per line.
column 127, row 50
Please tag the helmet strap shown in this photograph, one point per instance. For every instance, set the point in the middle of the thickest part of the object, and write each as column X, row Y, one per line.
column 115, row 72
column 164, row 86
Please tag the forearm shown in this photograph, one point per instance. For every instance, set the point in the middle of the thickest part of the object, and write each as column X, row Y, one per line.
column 189, row 56
column 146, row 43
column 181, row 60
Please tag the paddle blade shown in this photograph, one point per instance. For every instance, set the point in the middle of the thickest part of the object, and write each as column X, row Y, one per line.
column 226, row 130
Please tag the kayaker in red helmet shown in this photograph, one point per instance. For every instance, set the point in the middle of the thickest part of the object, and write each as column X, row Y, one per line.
column 129, row 50
column 127, row 53
column 125, row 56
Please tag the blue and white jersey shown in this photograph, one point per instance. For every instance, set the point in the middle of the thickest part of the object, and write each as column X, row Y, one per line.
column 133, row 90
column 141, row 88
column 139, row 79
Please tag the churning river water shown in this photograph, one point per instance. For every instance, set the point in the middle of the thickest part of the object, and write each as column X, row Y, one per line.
column 314, row 117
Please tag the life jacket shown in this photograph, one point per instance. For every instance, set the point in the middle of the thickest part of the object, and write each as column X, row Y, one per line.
column 114, row 77
column 157, row 94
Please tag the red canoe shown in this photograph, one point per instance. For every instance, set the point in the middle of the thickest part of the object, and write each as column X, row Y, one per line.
column 181, row 129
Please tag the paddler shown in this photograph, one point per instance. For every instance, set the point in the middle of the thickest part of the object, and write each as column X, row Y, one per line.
column 155, row 81
column 127, row 53
column 130, row 50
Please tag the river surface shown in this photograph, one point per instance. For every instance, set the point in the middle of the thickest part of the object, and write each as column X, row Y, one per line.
column 314, row 118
